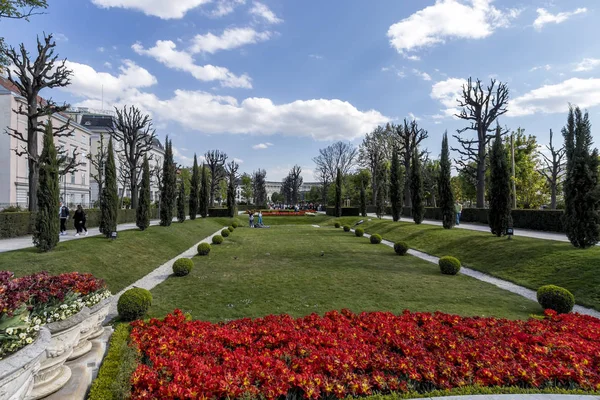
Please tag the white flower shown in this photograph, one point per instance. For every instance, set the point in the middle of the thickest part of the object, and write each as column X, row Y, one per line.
column 9, row 331
column 36, row 328
column 29, row 340
column 63, row 306
column 22, row 335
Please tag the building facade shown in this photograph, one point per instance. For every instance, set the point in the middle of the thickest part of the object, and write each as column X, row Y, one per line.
column 275, row 187
column 14, row 169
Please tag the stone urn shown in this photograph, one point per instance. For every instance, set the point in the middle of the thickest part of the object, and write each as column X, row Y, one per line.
column 18, row 369
column 53, row 374
column 91, row 328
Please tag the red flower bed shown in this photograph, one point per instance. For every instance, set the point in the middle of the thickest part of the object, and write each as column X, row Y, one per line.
column 343, row 354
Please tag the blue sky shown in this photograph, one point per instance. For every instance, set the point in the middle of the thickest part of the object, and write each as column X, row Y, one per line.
column 271, row 82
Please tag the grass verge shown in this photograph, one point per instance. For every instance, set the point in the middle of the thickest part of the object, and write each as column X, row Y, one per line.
column 119, row 262
column 525, row 261
column 257, row 272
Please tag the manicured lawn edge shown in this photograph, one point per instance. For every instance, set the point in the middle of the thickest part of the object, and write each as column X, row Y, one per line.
column 475, row 390
column 113, row 381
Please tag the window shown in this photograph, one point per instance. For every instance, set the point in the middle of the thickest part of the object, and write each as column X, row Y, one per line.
column 83, row 178
column 72, row 177
column 82, row 199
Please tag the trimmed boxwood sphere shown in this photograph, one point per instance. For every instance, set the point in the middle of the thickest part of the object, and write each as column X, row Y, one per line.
column 231, row 228
column 234, row 224
column 359, row 232
column 401, row 248
column 225, row 232
column 375, row 239
column 346, row 228
column 203, row 249
column 449, row 265
column 134, row 304
column 217, row 239
column 182, row 266
column 337, row 225
column 556, row 298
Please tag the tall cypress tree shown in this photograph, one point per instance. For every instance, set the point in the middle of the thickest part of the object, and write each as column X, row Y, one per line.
column 581, row 219
column 142, row 212
column 416, row 188
column 396, row 185
column 338, row 193
column 500, row 188
column 109, row 205
column 194, row 190
column 382, row 181
column 181, row 202
column 169, row 186
column 45, row 236
column 363, row 199
column 444, row 186
column 204, row 193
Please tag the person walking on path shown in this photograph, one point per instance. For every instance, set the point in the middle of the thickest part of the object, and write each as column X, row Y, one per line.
column 63, row 213
column 251, row 219
column 80, row 219
column 458, row 209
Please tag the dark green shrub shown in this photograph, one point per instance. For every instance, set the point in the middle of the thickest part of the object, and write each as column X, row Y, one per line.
column 337, row 225
column 449, row 265
column 113, row 381
column 375, row 239
column 346, row 228
column 359, row 232
column 234, row 224
column 556, row 298
column 231, row 228
column 225, row 233
column 401, row 248
column 182, row 266
column 203, row 249
column 134, row 303
column 217, row 239
column 219, row 212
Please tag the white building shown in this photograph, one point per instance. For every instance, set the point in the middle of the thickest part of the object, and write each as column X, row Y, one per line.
column 100, row 122
column 14, row 170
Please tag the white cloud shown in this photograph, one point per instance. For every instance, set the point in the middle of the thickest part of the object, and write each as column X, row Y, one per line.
column 262, row 146
column 61, row 37
column 229, row 39
column 164, row 9
column 587, row 64
column 165, row 52
column 546, row 67
column 550, row 99
column 108, row 65
column 448, row 19
column 87, row 82
column 264, row 12
column 447, row 92
column 413, row 117
column 238, row 160
column 181, row 158
column 225, row 7
column 279, row 172
column 413, row 58
column 424, row 75
column 101, row 49
column 544, row 17
column 316, row 56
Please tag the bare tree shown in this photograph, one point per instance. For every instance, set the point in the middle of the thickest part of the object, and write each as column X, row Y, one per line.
column 374, row 150
column 17, row 9
column 30, row 78
column 98, row 161
column 409, row 136
column 215, row 160
column 133, row 130
column 553, row 166
column 232, row 177
column 340, row 156
column 481, row 108
column 259, row 187
column 296, row 182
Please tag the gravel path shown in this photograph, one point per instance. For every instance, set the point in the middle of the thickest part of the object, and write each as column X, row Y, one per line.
column 502, row 284
column 157, row 276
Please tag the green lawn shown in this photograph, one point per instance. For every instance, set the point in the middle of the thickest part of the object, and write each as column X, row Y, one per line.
column 287, row 220
column 256, row 272
column 524, row 261
column 120, row 262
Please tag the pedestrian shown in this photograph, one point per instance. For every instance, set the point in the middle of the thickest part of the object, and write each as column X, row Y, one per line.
column 251, row 219
column 458, row 209
column 260, row 218
column 63, row 214
column 80, row 218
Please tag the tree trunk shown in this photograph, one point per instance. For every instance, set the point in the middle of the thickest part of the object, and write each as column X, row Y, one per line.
column 32, row 149
column 134, row 194
column 553, row 196
column 481, row 176
column 34, row 176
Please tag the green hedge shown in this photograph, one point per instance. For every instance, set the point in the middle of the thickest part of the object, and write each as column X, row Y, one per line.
column 469, row 391
column 113, row 381
column 220, row 212
column 21, row 223
column 346, row 211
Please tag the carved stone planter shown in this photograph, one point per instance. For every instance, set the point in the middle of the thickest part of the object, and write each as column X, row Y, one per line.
column 53, row 374
column 91, row 328
column 17, row 370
